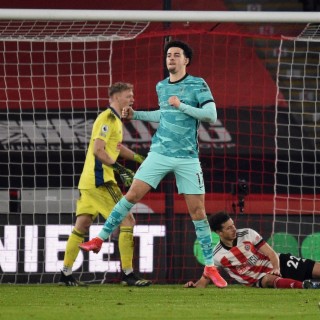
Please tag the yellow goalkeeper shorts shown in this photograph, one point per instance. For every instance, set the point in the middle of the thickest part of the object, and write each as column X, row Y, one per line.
column 99, row 200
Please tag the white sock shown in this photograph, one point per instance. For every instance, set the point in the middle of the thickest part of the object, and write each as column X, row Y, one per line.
column 127, row 271
column 67, row 271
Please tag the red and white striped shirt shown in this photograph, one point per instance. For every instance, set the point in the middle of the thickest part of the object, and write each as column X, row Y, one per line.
column 243, row 262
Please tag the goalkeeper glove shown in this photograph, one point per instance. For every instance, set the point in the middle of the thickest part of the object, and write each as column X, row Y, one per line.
column 126, row 175
column 138, row 158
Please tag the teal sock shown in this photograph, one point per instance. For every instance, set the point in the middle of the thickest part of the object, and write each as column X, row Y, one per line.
column 203, row 233
column 116, row 216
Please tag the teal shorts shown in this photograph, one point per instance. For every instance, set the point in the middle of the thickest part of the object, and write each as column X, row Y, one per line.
column 187, row 171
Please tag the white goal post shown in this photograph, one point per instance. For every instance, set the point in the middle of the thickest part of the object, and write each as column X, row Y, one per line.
column 296, row 190
column 57, row 66
column 160, row 16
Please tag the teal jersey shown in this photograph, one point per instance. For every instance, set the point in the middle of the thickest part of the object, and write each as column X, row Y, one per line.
column 177, row 134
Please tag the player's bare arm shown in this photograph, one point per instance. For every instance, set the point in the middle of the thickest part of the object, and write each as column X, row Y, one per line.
column 201, row 283
column 126, row 153
column 274, row 258
column 100, row 152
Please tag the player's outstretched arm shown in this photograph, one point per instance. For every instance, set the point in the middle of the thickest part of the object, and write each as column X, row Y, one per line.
column 201, row 283
column 149, row 116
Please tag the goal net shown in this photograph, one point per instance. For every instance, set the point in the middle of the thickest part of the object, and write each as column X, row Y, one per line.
column 54, row 80
column 54, row 77
column 297, row 201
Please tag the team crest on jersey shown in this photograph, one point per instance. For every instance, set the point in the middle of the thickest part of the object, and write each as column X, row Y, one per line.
column 104, row 130
column 247, row 247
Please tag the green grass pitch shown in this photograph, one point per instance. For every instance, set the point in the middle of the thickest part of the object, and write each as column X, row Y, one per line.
column 155, row 302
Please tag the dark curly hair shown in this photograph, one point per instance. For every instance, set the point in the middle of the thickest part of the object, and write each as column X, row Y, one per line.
column 182, row 45
column 217, row 220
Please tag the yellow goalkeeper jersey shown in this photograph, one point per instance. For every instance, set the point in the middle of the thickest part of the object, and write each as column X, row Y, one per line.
column 107, row 127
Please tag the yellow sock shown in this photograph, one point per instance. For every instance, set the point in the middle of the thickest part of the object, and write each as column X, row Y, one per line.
column 72, row 248
column 126, row 247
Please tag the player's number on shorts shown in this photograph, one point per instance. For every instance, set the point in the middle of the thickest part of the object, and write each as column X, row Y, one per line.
column 293, row 264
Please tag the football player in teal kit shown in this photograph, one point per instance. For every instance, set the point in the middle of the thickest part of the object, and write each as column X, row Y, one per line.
column 184, row 101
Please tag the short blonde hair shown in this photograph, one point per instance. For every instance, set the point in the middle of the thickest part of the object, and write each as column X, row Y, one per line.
column 119, row 87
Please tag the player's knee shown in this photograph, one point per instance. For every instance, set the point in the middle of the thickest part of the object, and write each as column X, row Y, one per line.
column 83, row 223
column 133, row 195
column 268, row 281
column 137, row 191
column 198, row 213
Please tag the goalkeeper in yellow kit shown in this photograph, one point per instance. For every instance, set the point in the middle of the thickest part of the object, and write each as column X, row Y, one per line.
column 98, row 188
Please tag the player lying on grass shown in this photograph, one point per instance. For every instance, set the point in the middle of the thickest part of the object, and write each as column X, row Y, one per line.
column 249, row 260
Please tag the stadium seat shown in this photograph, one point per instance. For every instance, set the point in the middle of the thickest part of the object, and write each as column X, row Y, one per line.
column 284, row 243
column 310, row 247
